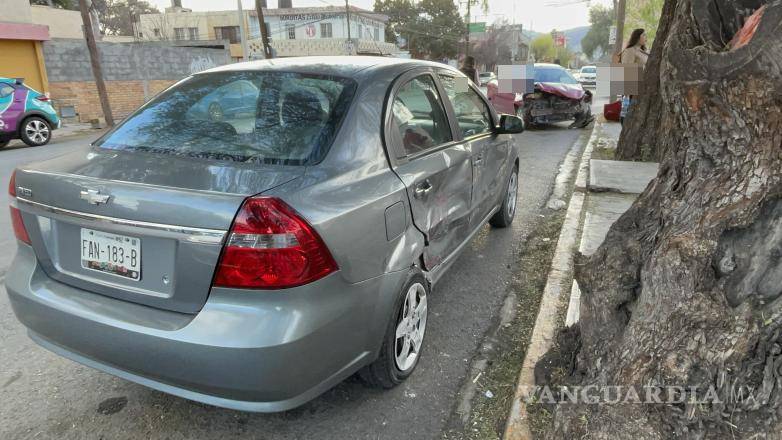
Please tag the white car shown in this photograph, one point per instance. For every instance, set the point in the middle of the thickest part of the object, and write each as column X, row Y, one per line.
column 485, row 77
column 587, row 75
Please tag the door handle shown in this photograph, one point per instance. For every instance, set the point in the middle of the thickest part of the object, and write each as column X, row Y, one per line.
column 422, row 189
column 478, row 158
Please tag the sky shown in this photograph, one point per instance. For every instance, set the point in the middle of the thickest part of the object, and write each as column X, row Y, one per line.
column 538, row 15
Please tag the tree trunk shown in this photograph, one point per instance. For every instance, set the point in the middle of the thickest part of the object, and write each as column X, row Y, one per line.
column 638, row 140
column 686, row 290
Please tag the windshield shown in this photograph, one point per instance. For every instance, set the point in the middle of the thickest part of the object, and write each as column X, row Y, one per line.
column 553, row 75
column 268, row 117
column 588, row 70
column 485, row 75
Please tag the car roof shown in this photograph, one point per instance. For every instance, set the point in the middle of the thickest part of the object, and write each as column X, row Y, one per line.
column 551, row 65
column 344, row 66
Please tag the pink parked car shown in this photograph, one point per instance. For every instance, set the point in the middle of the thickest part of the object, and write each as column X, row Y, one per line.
column 509, row 103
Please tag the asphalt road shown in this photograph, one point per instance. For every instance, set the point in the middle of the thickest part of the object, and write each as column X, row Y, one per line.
column 45, row 396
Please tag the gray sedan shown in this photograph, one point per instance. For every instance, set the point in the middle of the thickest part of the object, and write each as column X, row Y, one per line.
column 252, row 259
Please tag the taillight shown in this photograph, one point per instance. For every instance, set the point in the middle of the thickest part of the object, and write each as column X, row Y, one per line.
column 42, row 98
column 16, row 216
column 12, row 184
column 270, row 246
column 19, row 230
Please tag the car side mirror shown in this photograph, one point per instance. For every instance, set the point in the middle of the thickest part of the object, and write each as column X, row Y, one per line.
column 510, row 124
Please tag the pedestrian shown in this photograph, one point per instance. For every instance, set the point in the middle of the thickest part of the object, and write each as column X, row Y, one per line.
column 468, row 68
column 635, row 51
column 634, row 54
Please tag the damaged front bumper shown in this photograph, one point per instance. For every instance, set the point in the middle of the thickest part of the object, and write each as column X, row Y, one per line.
column 543, row 107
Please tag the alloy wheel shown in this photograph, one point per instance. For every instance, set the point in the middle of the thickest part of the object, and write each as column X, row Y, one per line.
column 37, row 131
column 513, row 188
column 411, row 327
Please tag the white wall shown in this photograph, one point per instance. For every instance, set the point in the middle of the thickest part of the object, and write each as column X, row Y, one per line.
column 17, row 11
column 62, row 23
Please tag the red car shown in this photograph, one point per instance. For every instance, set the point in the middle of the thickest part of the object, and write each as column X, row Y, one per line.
column 556, row 97
column 509, row 103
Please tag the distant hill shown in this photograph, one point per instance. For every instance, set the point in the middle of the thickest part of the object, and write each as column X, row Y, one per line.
column 573, row 36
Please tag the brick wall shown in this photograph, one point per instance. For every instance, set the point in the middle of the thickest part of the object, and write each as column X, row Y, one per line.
column 124, row 96
column 133, row 72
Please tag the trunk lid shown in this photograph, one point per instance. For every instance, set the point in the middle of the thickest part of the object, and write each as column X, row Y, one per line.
column 172, row 212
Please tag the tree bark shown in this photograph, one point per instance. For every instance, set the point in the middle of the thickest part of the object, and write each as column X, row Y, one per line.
column 686, row 290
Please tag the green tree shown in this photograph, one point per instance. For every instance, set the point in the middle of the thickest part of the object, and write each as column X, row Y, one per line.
column 563, row 55
column 644, row 14
column 595, row 41
column 446, row 28
column 117, row 16
column 543, row 48
column 431, row 28
column 403, row 22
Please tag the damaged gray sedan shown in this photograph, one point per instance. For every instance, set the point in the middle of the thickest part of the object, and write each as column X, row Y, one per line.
column 260, row 231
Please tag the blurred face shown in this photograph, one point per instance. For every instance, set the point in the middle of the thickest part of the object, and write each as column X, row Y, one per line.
column 642, row 40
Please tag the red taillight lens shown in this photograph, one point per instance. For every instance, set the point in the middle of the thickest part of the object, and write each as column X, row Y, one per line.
column 42, row 98
column 19, row 230
column 271, row 247
column 12, row 184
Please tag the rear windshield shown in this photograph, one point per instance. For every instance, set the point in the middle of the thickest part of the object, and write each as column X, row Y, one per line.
column 553, row 75
column 269, row 117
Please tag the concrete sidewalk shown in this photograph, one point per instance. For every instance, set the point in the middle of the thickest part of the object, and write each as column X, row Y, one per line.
column 612, row 188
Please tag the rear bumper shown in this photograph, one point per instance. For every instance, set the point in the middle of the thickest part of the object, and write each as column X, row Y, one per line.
column 251, row 351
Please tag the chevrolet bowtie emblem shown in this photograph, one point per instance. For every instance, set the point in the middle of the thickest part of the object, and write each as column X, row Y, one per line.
column 94, row 197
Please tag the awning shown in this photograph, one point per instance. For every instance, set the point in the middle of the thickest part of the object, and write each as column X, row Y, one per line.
column 23, row 31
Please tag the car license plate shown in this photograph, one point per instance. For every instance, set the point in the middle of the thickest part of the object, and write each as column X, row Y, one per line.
column 111, row 253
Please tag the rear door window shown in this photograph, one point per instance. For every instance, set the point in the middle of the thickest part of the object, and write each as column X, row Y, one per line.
column 419, row 117
column 6, row 90
column 267, row 117
column 472, row 114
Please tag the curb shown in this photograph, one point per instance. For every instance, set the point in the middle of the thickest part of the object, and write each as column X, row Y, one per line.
column 517, row 426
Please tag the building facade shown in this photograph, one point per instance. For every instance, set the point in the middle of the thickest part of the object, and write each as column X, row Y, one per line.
column 292, row 31
column 21, row 49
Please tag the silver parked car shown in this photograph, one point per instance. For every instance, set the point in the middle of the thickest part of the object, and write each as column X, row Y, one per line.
column 252, row 259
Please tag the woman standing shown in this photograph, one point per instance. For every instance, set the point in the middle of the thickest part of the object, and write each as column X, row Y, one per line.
column 634, row 54
column 468, row 68
column 635, row 51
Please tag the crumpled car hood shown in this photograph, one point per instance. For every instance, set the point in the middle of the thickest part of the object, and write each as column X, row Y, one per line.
column 563, row 90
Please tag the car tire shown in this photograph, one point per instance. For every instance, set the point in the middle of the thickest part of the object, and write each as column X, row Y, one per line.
column 525, row 118
column 216, row 112
column 392, row 366
column 35, row 131
column 504, row 217
column 520, row 115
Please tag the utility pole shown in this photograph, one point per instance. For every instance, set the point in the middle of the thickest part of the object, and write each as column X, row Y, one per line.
column 349, row 44
column 467, row 48
column 267, row 50
column 242, row 31
column 620, row 25
column 97, row 70
column 347, row 17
